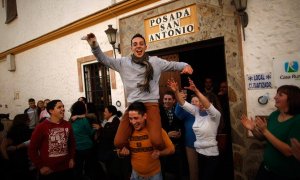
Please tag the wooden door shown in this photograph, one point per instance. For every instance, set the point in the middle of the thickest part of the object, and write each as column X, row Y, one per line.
column 167, row 75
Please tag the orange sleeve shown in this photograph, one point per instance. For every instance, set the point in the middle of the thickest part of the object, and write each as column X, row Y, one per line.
column 169, row 146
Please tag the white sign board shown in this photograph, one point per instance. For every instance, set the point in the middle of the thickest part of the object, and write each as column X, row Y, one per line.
column 259, row 81
column 286, row 72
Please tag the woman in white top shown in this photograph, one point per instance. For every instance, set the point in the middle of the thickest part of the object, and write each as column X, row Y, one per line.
column 205, row 127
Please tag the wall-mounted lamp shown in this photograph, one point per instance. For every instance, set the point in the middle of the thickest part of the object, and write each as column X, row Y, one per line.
column 240, row 6
column 111, row 35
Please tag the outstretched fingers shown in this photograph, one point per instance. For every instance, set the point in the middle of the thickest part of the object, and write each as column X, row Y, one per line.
column 172, row 84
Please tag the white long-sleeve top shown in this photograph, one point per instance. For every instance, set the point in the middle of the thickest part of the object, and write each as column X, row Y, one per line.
column 205, row 129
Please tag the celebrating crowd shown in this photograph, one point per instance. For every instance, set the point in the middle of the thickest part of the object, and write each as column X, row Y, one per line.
column 175, row 139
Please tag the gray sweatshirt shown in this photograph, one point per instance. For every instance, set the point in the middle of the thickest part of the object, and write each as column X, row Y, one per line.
column 132, row 74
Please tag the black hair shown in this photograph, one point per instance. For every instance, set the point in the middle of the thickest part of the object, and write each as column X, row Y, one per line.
column 83, row 99
column 31, row 100
column 113, row 110
column 51, row 105
column 78, row 108
column 293, row 98
column 137, row 106
column 171, row 93
column 20, row 119
column 138, row 35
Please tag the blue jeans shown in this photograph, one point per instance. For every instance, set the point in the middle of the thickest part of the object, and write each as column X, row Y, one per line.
column 135, row 176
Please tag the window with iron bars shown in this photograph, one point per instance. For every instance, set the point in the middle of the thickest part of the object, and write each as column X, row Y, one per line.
column 97, row 87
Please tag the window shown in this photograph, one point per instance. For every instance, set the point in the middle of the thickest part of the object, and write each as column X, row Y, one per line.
column 97, row 86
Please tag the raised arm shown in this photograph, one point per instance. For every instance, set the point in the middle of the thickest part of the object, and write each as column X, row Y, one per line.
column 113, row 63
column 202, row 98
column 91, row 39
column 174, row 87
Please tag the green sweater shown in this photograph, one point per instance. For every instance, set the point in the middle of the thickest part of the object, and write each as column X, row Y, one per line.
column 83, row 133
column 274, row 160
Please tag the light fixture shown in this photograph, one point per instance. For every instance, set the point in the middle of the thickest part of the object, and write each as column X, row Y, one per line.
column 240, row 6
column 111, row 35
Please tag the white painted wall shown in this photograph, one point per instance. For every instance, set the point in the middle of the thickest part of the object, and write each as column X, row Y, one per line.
column 272, row 34
column 50, row 70
column 36, row 18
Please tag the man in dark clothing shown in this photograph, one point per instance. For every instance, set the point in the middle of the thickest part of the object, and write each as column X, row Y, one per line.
column 175, row 165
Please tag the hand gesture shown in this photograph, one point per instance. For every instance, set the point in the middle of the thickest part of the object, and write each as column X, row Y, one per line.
column 91, row 39
column 96, row 126
column 261, row 124
column 155, row 154
column 295, row 148
column 71, row 163
column 172, row 85
column 174, row 134
column 187, row 70
column 192, row 86
column 247, row 123
column 45, row 170
column 73, row 118
column 123, row 152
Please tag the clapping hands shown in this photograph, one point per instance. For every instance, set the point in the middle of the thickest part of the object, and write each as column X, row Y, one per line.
column 259, row 124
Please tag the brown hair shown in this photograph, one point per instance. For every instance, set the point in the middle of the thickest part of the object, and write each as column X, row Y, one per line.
column 293, row 98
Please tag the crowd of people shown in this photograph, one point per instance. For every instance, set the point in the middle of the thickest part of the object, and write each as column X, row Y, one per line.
column 153, row 140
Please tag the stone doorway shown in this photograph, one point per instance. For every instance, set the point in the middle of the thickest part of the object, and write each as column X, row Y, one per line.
column 208, row 60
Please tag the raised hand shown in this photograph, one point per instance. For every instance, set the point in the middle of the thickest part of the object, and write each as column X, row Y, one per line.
column 91, row 39
column 192, row 86
column 172, row 85
column 247, row 123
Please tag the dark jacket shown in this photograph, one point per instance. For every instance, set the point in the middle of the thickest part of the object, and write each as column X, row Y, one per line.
column 105, row 139
column 175, row 125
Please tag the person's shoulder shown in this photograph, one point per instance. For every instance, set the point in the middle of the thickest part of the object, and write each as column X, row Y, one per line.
column 42, row 125
column 116, row 119
column 274, row 113
column 124, row 59
column 164, row 132
column 25, row 111
column 66, row 122
column 45, row 122
column 155, row 59
column 297, row 118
